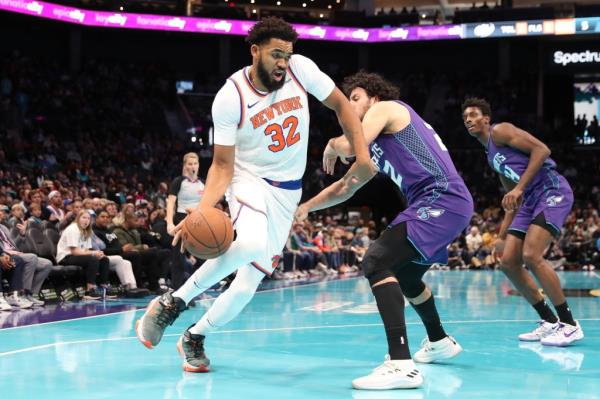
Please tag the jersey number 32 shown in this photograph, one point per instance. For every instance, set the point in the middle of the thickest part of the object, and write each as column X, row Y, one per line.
column 275, row 130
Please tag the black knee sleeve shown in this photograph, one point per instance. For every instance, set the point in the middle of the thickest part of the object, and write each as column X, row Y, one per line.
column 412, row 289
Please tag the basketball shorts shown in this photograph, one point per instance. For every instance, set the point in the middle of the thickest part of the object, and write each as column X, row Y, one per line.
column 278, row 202
column 433, row 225
column 553, row 203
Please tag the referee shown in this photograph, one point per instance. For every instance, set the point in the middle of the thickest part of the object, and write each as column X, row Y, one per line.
column 184, row 194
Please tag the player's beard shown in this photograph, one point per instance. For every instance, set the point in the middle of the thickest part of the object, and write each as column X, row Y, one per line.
column 267, row 80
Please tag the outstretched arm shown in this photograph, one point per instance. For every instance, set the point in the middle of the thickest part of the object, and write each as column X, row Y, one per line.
column 336, row 193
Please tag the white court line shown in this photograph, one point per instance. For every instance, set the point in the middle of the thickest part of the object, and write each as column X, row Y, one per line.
column 89, row 341
column 144, row 308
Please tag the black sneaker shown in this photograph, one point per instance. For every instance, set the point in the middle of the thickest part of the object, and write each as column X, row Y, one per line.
column 161, row 312
column 95, row 294
column 191, row 348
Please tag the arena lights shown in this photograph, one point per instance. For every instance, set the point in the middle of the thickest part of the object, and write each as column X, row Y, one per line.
column 315, row 32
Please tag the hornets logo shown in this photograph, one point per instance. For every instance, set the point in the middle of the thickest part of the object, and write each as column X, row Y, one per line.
column 426, row 212
column 554, row 200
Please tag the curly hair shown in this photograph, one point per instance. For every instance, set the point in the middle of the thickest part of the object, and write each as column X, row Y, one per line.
column 480, row 103
column 269, row 28
column 374, row 84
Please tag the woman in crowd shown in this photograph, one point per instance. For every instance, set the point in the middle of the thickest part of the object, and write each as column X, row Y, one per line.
column 75, row 248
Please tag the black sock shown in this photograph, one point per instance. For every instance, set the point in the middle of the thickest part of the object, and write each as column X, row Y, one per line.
column 431, row 319
column 390, row 303
column 545, row 312
column 564, row 313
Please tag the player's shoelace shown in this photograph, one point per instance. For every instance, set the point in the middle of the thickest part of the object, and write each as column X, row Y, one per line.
column 196, row 345
column 426, row 345
column 167, row 315
column 387, row 367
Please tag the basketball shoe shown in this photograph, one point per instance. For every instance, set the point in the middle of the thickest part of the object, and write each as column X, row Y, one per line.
column 564, row 335
column 432, row 351
column 392, row 374
column 191, row 348
column 161, row 312
column 541, row 331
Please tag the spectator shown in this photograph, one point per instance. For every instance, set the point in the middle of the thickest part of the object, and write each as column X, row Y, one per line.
column 35, row 268
column 75, row 248
column 55, row 207
column 155, row 261
column 17, row 215
column 474, row 242
column 12, row 269
column 113, row 250
column 4, row 215
column 75, row 207
column 35, row 218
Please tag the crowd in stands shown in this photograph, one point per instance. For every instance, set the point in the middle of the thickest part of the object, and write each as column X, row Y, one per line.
column 86, row 157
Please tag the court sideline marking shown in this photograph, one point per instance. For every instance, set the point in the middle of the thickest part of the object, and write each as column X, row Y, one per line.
column 89, row 341
column 144, row 308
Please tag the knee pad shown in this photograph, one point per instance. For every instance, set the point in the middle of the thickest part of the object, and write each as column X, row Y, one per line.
column 412, row 289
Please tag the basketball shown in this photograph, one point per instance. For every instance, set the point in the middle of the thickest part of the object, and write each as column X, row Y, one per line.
column 207, row 233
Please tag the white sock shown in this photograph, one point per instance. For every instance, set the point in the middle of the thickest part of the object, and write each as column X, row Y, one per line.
column 230, row 303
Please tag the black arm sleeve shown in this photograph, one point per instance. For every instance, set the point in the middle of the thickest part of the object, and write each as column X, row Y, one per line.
column 175, row 186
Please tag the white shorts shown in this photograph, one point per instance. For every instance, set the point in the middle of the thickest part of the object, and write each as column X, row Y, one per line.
column 277, row 204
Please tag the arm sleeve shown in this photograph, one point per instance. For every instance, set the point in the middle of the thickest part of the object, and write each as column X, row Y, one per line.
column 175, row 186
column 226, row 114
column 314, row 81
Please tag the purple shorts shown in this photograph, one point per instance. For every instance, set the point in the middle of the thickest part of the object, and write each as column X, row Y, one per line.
column 553, row 202
column 432, row 227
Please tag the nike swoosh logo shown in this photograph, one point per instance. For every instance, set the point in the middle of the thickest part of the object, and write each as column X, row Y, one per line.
column 572, row 332
column 252, row 105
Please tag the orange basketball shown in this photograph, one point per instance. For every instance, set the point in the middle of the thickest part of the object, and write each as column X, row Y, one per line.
column 207, row 233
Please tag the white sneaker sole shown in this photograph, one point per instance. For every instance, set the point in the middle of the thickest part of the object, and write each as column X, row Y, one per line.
column 404, row 384
column 563, row 344
column 140, row 324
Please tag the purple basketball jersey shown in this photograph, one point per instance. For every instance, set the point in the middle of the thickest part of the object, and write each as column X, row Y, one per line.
column 511, row 163
column 439, row 204
column 548, row 193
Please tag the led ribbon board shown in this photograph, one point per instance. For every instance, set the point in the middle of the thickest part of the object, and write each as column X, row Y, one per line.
column 315, row 32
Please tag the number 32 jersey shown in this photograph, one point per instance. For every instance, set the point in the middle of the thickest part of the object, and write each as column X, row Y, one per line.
column 269, row 129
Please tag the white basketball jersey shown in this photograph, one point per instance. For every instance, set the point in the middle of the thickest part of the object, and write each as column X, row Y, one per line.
column 270, row 129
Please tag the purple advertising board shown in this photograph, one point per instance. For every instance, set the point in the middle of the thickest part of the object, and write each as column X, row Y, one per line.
column 222, row 26
column 314, row 32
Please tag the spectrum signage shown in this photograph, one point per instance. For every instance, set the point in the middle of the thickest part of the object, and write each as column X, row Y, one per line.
column 565, row 58
column 315, row 32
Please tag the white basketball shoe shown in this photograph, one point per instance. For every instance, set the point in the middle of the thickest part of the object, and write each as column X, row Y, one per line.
column 392, row 374
column 543, row 330
column 433, row 351
column 564, row 335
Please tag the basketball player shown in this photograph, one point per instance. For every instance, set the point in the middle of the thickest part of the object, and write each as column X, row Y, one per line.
column 537, row 202
column 261, row 122
column 409, row 151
